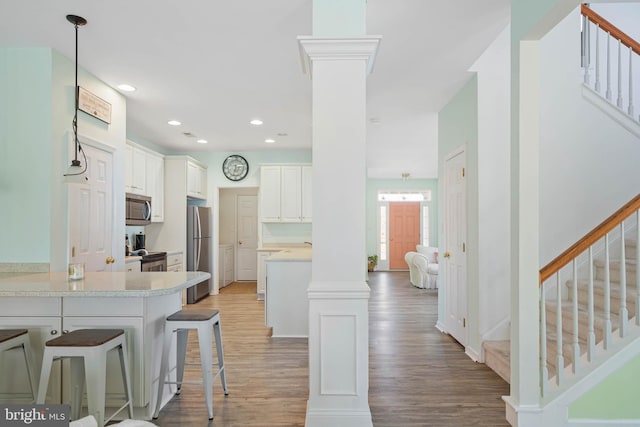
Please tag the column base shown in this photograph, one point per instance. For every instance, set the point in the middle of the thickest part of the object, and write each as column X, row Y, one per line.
column 324, row 418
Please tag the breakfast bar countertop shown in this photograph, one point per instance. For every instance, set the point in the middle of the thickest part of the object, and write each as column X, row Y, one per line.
column 98, row 284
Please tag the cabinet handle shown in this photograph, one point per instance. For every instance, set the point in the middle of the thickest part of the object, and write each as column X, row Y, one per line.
column 54, row 332
column 65, row 331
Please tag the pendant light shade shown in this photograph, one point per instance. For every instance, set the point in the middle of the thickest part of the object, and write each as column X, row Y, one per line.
column 76, row 171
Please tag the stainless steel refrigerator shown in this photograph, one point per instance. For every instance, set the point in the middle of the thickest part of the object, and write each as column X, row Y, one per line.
column 199, row 238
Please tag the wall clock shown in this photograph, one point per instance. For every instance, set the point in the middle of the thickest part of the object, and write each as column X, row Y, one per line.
column 235, row 167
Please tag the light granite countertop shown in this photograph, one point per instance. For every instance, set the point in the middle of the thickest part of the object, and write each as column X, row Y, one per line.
column 98, row 284
column 292, row 254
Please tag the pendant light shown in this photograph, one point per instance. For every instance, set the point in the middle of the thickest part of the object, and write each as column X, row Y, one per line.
column 76, row 172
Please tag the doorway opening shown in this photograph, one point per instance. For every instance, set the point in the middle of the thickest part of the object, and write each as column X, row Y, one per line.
column 403, row 223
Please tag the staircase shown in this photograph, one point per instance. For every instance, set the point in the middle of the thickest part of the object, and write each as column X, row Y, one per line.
column 589, row 310
column 497, row 353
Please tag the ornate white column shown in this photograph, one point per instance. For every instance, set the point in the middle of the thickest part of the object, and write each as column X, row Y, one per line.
column 338, row 292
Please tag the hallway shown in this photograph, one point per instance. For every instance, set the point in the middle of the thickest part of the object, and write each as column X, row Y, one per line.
column 418, row 376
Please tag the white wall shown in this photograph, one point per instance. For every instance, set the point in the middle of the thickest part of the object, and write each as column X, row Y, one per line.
column 588, row 162
column 493, row 71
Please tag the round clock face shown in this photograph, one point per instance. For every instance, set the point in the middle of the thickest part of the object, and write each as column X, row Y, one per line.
column 235, row 167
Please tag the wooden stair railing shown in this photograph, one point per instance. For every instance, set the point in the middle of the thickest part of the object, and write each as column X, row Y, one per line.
column 589, row 239
column 571, row 348
column 622, row 74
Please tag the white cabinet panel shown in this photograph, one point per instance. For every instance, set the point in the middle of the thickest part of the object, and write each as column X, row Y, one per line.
column 14, row 385
column 138, row 182
column 174, row 262
column 155, row 185
column 285, row 193
column 291, row 202
column 262, row 273
column 225, row 264
column 270, row 193
column 196, row 181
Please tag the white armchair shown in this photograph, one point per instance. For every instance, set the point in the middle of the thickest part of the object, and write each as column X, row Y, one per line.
column 423, row 267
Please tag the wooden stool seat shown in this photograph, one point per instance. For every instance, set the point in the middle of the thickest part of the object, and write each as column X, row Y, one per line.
column 85, row 338
column 195, row 315
column 7, row 334
column 19, row 338
column 87, row 349
column 205, row 321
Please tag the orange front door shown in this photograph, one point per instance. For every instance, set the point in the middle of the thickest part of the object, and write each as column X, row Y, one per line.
column 404, row 232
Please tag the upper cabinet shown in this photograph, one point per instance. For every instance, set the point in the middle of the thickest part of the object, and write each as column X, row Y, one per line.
column 144, row 174
column 285, row 193
column 196, row 180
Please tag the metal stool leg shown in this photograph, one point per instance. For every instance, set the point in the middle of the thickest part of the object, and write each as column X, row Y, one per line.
column 95, row 368
column 164, row 367
column 47, row 362
column 182, row 337
column 223, row 378
column 124, row 368
column 77, row 386
column 205, row 342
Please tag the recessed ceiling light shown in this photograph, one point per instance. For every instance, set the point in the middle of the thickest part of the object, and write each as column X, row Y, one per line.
column 256, row 122
column 269, row 141
column 174, row 123
column 126, row 88
column 202, row 141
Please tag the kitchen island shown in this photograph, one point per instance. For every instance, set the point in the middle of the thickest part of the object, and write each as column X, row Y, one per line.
column 286, row 302
column 49, row 304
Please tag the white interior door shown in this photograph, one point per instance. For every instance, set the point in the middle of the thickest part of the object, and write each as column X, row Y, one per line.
column 454, row 258
column 91, row 213
column 246, row 255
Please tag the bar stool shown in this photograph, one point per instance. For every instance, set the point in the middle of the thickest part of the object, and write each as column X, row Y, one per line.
column 87, row 349
column 204, row 321
column 14, row 338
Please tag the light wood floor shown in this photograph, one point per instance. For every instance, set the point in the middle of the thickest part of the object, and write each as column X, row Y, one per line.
column 417, row 376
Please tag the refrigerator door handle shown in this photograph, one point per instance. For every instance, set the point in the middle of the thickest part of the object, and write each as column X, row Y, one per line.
column 199, row 238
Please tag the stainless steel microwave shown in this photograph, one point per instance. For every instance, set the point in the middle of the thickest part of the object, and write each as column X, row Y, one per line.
column 138, row 209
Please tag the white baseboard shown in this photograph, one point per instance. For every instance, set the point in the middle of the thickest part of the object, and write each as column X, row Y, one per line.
column 602, row 423
column 347, row 418
column 473, row 354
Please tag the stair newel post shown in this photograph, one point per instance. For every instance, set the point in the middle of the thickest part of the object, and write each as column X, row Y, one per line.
column 559, row 354
column 619, row 99
column 544, row 370
column 592, row 333
column 576, row 343
column 608, row 92
column 637, row 265
column 630, row 109
column 607, row 295
column 597, row 85
column 624, row 312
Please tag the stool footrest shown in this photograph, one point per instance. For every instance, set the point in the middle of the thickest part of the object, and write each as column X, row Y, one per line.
column 116, row 412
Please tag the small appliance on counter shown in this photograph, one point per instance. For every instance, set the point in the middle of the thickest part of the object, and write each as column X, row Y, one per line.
column 139, row 241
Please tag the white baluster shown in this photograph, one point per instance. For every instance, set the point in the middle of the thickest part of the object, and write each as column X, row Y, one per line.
column 619, row 100
column 608, row 92
column 559, row 355
column 597, row 86
column 630, row 109
column 576, row 343
column 624, row 313
column 592, row 333
column 637, row 267
column 607, row 295
column 586, row 48
column 544, row 370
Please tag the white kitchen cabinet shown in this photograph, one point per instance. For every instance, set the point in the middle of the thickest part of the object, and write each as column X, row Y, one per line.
column 307, row 193
column 137, row 171
column 225, row 264
column 196, row 180
column 44, row 322
column 132, row 265
column 155, row 185
column 270, row 193
column 291, row 194
column 262, row 273
column 285, row 193
column 174, row 261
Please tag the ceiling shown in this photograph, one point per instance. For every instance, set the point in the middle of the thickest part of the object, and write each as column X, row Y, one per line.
column 215, row 65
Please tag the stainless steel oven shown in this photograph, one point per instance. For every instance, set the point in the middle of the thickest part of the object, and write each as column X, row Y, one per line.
column 154, row 261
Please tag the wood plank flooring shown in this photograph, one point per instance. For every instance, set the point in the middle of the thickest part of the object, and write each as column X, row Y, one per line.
column 417, row 376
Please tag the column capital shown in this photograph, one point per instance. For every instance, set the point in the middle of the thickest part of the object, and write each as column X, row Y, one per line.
column 313, row 48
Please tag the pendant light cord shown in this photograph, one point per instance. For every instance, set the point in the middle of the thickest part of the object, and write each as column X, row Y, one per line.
column 74, row 123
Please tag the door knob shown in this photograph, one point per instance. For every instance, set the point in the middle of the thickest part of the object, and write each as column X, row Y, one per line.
column 447, row 254
column 110, row 260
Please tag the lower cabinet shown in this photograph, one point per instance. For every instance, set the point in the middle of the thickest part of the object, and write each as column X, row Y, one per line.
column 174, row 261
column 262, row 272
column 142, row 319
column 131, row 266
